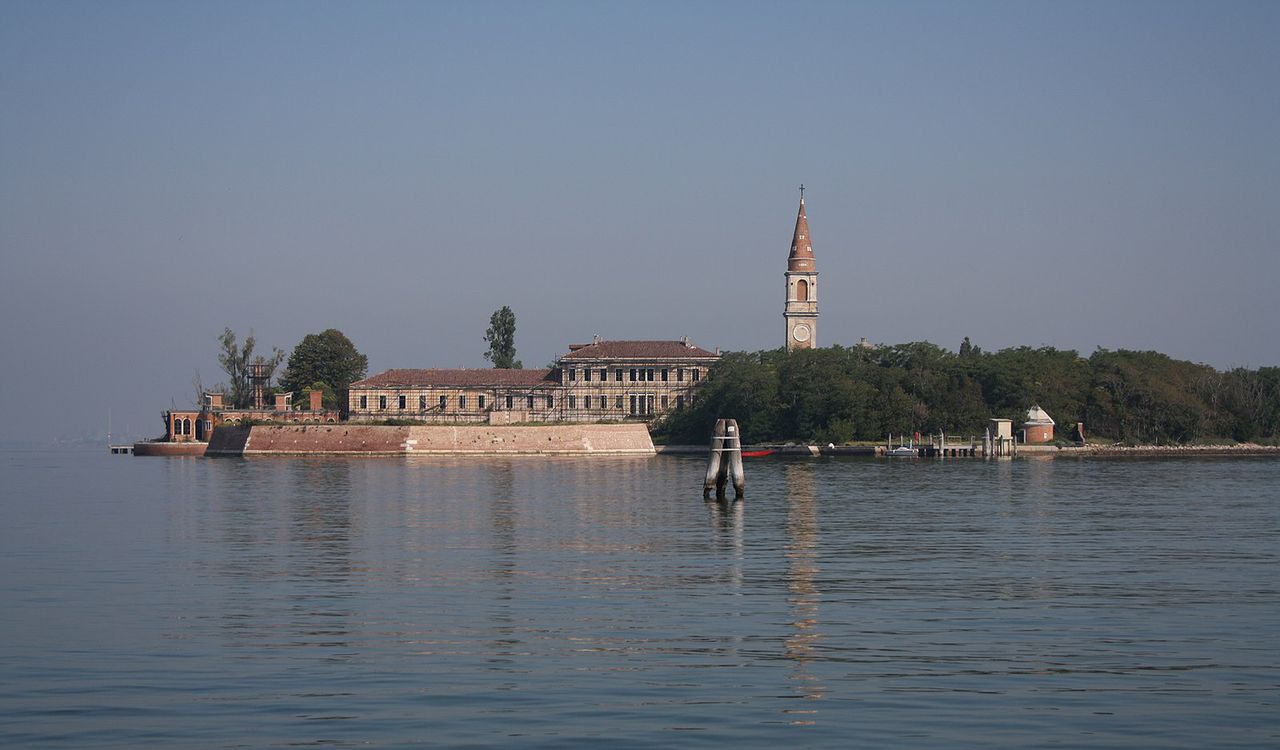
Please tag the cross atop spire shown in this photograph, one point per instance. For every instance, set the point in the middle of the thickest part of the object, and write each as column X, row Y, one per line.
column 802, row 192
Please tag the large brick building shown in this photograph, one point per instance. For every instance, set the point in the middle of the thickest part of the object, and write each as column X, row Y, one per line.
column 597, row 382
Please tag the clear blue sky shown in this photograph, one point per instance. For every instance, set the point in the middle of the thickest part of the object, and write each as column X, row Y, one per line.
column 1069, row 174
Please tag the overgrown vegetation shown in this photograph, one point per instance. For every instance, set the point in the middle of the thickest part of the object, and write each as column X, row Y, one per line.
column 841, row 394
column 327, row 362
column 237, row 361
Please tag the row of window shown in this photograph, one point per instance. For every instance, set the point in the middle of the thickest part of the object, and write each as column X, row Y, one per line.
column 635, row 374
column 402, row 402
column 644, row 402
column 640, row 404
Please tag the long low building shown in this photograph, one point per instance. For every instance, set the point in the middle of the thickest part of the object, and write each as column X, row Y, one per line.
column 603, row 381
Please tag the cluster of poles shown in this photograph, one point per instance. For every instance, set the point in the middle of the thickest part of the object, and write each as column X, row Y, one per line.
column 725, row 464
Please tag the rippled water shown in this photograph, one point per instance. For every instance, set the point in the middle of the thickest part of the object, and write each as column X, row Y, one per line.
column 600, row 602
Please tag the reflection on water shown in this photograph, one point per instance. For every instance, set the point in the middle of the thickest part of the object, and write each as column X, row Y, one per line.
column 380, row 602
column 802, row 570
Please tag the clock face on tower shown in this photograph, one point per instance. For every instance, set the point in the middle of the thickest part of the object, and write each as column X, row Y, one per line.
column 800, row 333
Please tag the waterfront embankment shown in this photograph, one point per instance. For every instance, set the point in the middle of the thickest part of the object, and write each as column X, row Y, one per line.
column 1139, row 451
column 352, row 439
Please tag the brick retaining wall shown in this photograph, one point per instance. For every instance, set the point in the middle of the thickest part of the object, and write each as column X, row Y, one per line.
column 570, row 439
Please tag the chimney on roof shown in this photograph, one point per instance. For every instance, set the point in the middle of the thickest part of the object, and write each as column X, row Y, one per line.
column 684, row 340
column 595, row 340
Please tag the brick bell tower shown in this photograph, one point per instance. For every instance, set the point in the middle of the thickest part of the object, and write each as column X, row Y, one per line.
column 801, row 311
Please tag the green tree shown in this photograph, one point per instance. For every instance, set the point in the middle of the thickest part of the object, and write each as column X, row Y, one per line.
column 327, row 362
column 237, row 360
column 501, row 338
column 836, row 394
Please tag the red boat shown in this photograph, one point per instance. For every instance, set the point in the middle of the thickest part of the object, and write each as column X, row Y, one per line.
column 756, row 454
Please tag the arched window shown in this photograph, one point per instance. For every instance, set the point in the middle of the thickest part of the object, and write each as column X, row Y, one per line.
column 802, row 290
column 186, row 427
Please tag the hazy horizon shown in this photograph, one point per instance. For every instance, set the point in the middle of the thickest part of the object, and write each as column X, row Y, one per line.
column 1068, row 175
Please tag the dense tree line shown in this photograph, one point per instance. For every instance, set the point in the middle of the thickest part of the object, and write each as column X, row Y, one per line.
column 840, row 394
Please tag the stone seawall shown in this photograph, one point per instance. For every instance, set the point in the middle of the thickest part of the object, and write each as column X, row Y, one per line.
column 346, row 439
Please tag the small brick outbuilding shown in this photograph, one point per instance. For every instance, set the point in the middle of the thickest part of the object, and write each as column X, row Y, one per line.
column 1039, row 426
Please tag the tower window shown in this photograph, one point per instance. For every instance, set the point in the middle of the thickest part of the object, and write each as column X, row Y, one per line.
column 802, row 290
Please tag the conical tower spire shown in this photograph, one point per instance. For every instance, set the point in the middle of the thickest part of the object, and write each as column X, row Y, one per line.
column 801, row 258
column 801, row 311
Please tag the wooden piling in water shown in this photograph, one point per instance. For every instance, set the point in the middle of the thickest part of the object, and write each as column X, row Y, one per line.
column 725, row 462
column 733, row 454
column 714, row 461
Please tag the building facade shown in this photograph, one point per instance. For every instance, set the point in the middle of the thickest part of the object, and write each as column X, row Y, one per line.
column 195, row 426
column 604, row 381
column 801, row 309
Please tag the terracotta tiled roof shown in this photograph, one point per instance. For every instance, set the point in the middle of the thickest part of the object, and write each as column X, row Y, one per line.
column 436, row 378
column 801, row 258
column 637, row 350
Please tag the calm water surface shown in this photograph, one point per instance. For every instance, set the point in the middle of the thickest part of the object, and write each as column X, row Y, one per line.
column 599, row 602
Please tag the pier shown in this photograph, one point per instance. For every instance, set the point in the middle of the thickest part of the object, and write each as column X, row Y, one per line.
column 939, row 447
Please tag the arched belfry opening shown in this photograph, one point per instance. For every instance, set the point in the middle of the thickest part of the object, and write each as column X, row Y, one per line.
column 801, row 311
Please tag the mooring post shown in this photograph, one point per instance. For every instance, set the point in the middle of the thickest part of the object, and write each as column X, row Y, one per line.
column 734, row 456
column 714, row 462
column 725, row 462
